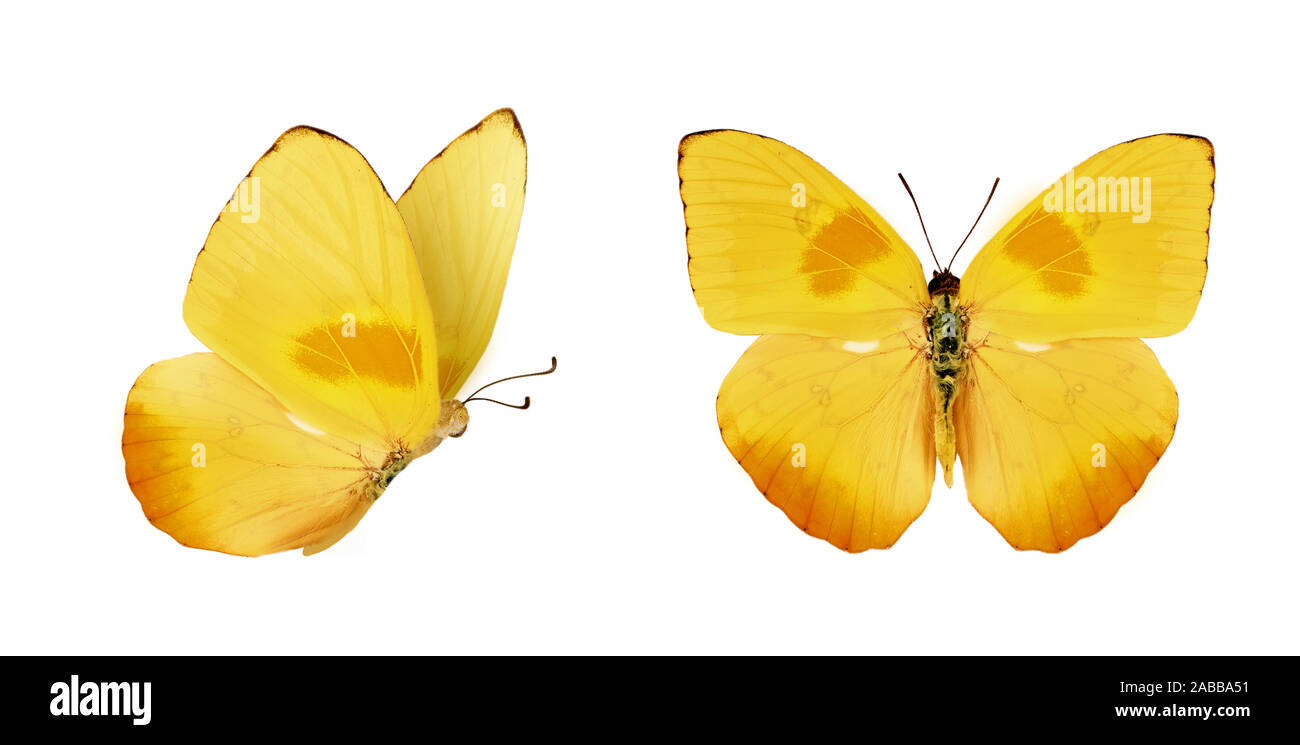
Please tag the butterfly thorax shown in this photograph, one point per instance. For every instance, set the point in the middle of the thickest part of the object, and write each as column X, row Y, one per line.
column 397, row 460
column 945, row 330
column 452, row 422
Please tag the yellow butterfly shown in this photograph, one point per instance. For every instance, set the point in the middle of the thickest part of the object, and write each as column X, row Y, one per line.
column 343, row 326
column 1028, row 368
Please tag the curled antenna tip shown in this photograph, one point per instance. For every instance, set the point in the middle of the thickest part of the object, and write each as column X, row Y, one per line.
column 527, row 402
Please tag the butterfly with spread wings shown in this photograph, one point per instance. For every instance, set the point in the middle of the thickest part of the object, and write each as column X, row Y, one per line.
column 342, row 326
column 1030, row 368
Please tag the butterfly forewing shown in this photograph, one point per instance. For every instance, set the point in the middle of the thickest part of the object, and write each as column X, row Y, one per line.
column 317, row 296
column 463, row 212
column 1115, row 248
column 778, row 245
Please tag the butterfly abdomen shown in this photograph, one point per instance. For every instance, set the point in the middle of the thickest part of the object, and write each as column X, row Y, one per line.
column 946, row 333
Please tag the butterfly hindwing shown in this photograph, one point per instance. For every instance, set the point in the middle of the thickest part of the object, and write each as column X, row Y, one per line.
column 779, row 245
column 218, row 463
column 839, row 435
column 1116, row 248
column 463, row 211
column 1055, row 438
column 316, row 295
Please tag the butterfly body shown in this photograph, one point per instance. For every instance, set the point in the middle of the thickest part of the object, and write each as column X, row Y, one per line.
column 945, row 327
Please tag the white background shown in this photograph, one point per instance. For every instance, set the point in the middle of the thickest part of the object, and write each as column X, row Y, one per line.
column 610, row 517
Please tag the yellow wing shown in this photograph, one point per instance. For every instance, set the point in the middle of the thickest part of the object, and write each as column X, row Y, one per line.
column 218, row 463
column 308, row 285
column 1116, row 248
column 837, row 434
column 1054, row 438
column 463, row 212
column 779, row 245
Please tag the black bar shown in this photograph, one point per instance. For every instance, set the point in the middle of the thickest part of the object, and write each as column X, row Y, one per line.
column 812, row 697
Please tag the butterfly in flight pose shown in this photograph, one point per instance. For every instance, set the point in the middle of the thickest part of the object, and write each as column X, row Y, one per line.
column 342, row 325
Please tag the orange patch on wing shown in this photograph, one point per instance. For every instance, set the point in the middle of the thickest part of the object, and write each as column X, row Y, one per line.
column 1044, row 243
column 377, row 351
column 843, row 244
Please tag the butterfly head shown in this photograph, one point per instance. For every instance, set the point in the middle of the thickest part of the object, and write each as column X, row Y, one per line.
column 944, row 283
column 454, row 420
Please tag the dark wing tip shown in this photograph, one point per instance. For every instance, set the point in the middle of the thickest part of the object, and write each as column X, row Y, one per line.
column 504, row 111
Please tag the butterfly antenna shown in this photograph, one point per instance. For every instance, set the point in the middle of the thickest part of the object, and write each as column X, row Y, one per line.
column 527, row 401
column 977, row 222
column 922, row 219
